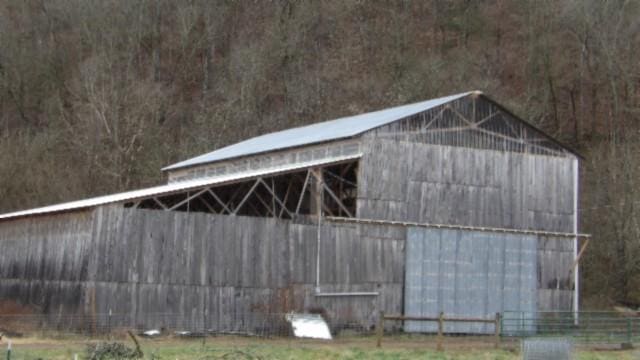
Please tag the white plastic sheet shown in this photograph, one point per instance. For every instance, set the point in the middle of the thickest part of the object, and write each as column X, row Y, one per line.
column 309, row 326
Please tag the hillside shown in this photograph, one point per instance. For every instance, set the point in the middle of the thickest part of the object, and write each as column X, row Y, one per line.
column 96, row 97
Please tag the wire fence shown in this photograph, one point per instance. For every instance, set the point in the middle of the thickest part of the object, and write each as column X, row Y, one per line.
column 505, row 330
column 252, row 324
column 248, row 335
column 587, row 327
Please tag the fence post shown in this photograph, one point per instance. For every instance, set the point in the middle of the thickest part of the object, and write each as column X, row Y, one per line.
column 380, row 329
column 109, row 324
column 9, row 350
column 440, row 329
column 497, row 330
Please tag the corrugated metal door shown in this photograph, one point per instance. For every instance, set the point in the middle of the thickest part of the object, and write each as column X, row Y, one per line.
column 467, row 274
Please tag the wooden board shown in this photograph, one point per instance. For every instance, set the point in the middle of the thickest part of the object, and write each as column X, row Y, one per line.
column 222, row 272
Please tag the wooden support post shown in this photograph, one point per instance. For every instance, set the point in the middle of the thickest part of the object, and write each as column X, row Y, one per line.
column 629, row 344
column 92, row 299
column 380, row 329
column 577, row 259
column 440, row 330
column 497, row 330
column 316, row 192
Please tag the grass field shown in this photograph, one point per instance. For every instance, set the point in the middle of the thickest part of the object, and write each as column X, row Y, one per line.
column 248, row 348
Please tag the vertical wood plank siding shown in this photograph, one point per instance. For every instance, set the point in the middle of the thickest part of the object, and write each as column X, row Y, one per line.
column 145, row 262
column 459, row 186
column 47, row 261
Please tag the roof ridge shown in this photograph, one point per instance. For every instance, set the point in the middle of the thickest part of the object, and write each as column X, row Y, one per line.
column 335, row 129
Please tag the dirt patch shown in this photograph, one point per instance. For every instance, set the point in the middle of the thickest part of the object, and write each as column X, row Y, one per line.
column 10, row 307
column 15, row 318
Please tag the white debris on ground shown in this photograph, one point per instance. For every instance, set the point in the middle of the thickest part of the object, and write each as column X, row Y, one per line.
column 151, row 333
column 309, row 326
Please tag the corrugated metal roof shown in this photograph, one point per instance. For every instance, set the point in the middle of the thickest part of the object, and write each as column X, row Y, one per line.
column 320, row 132
column 173, row 188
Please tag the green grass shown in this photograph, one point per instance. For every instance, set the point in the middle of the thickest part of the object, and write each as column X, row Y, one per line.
column 233, row 348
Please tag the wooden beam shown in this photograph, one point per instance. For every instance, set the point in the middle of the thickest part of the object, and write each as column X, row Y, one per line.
column 236, row 192
column 438, row 116
column 486, row 118
column 304, row 188
column 206, row 203
column 275, row 198
column 286, row 197
column 160, row 203
column 577, row 259
column 255, row 209
column 338, row 177
column 264, row 203
column 327, row 210
column 458, row 227
column 462, row 117
column 224, row 207
column 244, row 199
column 317, row 191
column 189, row 198
column 344, row 208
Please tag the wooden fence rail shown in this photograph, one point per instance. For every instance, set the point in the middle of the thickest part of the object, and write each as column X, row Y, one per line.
column 441, row 319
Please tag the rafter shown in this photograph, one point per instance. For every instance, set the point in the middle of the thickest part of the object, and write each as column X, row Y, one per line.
column 189, row 198
column 160, row 203
column 244, row 199
column 264, row 203
column 286, row 197
column 304, row 189
column 340, row 178
column 207, row 205
column 275, row 198
column 219, row 201
column 435, row 118
column 337, row 200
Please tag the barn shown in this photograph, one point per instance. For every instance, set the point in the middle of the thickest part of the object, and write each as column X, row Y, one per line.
column 450, row 205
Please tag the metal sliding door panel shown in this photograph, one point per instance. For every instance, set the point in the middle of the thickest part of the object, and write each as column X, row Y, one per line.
column 413, row 275
column 467, row 274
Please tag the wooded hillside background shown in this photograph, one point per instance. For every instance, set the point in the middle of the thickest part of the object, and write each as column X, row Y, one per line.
column 97, row 96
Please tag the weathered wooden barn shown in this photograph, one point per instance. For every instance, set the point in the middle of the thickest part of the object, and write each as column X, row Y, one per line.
column 452, row 204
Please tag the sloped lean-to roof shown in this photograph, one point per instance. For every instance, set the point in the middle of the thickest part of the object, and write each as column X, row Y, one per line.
column 172, row 188
column 316, row 133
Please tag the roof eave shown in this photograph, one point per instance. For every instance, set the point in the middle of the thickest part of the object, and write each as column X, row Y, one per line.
column 184, row 167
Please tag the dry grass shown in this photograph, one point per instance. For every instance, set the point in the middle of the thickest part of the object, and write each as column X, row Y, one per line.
column 406, row 347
